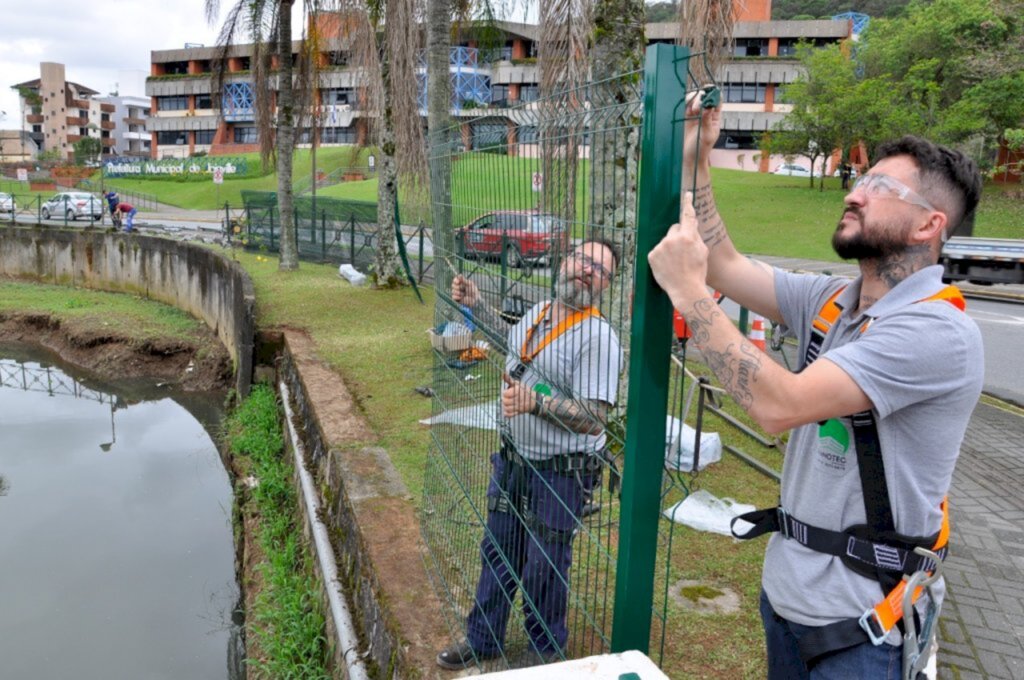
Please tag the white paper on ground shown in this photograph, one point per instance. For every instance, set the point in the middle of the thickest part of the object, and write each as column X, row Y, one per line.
column 679, row 440
column 482, row 416
column 705, row 512
column 351, row 274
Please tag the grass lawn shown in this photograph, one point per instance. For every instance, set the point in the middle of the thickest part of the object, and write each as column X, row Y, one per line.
column 138, row 318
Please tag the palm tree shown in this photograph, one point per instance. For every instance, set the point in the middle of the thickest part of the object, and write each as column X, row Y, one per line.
column 386, row 62
column 268, row 25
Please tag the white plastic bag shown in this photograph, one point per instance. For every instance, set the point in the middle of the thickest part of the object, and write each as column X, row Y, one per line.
column 679, row 439
column 353, row 275
column 705, row 512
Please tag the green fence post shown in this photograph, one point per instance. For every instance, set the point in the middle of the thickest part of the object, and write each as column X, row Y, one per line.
column 650, row 338
column 272, row 247
column 323, row 234
column 352, row 238
column 744, row 317
column 422, row 229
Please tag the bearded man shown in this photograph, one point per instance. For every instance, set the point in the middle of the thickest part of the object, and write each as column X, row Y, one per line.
column 562, row 375
column 891, row 369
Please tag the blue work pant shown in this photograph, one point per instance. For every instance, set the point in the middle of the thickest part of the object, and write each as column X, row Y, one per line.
column 527, row 543
column 782, row 637
column 129, row 225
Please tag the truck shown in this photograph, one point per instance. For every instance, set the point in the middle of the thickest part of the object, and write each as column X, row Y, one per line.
column 983, row 261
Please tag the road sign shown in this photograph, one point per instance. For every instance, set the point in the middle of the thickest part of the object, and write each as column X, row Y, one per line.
column 22, row 174
column 218, row 175
column 538, row 182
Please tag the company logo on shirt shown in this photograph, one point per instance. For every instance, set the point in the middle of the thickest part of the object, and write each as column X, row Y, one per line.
column 833, row 444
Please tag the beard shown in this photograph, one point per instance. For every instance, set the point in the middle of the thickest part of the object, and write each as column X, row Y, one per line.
column 884, row 240
column 572, row 293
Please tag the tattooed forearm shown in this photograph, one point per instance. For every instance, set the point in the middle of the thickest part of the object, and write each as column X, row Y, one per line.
column 583, row 418
column 712, row 229
column 737, row 365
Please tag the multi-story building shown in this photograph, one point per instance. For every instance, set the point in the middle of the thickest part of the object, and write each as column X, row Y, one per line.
column 58, row 113
column 488, row 77
column 130, row 136
column 184, row 120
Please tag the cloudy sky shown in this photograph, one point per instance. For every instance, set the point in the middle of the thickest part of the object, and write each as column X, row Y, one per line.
column 103, row 45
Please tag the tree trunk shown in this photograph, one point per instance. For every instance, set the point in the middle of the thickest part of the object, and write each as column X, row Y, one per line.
column 438, row 123
column 618, row 49
column 289, row 260
column 387, row 264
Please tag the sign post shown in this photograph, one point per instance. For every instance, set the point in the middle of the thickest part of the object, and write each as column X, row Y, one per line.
column 218, row 179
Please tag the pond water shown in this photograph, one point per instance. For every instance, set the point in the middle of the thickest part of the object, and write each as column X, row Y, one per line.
column 115, row 530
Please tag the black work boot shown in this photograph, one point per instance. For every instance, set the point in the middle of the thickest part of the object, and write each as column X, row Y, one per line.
column 460, row 655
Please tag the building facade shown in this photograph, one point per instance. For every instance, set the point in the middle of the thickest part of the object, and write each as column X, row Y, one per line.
column 57, row 113
column 488, row 77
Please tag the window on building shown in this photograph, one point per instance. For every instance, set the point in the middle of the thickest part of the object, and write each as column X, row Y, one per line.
column 337, row 95
column 337, row 58
column 204, row 101
column 338, row 135
column 529, row 93
column 105, row 117
column 204, row 136
column 744, row 93
column 499, row 95
column 489, row 135
column 243, row 64
column 787, row 47
column 38, row 129
column 739, row 139
column 203, row 65
column 527, row 134
column 246, row 134
column 176, row 67
column 750, row 47
column 171, row 137
column 83, row 113
column 178, row 103
column 105, row 134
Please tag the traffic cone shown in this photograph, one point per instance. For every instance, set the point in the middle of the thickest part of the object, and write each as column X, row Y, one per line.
column 756, row 334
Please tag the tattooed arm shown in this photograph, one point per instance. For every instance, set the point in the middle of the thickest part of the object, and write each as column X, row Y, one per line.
column 777, row 399
column 582, row 417
column 748, row 282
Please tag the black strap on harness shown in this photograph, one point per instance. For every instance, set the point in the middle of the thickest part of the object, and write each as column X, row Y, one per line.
column 873, row 549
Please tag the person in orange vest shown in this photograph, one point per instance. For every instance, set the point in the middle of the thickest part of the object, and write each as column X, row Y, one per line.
column 891, row 371
column 562, row 367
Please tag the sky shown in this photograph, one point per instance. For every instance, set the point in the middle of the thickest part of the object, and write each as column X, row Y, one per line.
column 103, row 45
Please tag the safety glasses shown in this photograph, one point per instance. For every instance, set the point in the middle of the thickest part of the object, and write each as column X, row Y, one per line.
column 585, row 260
column 877, row 185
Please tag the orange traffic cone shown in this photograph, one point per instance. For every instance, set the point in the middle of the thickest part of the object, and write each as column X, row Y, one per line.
column 756, row 335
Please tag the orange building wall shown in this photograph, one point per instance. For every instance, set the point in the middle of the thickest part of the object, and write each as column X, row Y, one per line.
column 753, row 10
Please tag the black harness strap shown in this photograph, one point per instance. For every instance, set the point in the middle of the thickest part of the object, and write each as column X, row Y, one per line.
column 873, row 549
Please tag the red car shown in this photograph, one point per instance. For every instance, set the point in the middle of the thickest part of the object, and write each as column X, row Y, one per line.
column 525, row 236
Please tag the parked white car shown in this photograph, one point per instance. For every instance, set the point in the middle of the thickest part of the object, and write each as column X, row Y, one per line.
column 72, row 205
column 793, row 170
column 6, row 203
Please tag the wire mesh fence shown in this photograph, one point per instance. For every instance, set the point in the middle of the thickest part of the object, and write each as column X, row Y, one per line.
column 535, row 419
column 327, row 230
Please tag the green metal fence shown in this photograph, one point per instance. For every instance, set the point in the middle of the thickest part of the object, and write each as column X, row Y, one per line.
column 573, row 161
column 327, row 230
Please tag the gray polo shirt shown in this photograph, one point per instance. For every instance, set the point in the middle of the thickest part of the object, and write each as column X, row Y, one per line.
column 921, row 364
column 582, row 363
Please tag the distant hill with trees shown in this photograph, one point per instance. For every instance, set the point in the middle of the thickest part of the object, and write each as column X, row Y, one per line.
column 818, row 9
column 800, row 9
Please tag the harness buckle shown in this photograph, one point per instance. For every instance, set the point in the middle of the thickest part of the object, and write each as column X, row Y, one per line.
column 783, row 522
column 869, row 621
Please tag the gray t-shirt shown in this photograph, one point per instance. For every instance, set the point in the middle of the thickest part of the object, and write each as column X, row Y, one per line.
column 921, row 364
column 583, row 363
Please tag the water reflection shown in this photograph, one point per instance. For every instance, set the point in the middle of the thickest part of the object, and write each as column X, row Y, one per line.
column 117, row 540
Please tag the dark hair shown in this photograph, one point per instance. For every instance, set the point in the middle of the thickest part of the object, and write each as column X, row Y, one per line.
column 609, row 244
column 943, row 173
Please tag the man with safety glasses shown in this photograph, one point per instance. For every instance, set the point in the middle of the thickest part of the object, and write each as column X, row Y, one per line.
column 891, row 368
column 561, row 378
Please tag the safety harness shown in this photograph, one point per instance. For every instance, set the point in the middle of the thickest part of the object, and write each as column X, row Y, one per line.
column 873, row 549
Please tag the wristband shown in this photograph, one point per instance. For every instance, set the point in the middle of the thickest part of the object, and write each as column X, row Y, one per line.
column 538, row 404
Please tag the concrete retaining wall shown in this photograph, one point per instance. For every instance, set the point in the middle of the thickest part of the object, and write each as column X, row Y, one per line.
column 195, row 279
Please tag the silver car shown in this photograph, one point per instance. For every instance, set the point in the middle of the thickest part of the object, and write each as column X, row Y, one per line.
column 6, row 203
column 71, row 205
